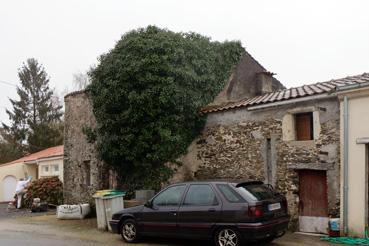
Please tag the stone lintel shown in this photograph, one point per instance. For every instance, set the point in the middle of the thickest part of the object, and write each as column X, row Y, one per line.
column 311, row 166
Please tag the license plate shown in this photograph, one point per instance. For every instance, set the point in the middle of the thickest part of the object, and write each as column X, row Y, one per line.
column 274, row 206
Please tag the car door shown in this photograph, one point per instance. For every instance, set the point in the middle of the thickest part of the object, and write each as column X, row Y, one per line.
column 161, row 217
column 199, row 211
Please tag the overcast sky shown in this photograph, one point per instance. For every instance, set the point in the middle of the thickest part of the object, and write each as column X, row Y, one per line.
column 303, row 41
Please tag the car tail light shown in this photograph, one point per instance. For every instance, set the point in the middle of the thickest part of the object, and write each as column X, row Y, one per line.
column 256, row 211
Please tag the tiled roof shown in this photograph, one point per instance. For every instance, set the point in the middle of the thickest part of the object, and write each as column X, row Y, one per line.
column 46, row 153
column 291, row 93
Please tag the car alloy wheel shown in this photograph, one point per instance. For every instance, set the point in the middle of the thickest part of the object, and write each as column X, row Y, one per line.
column 129, row 231
column 227, row 237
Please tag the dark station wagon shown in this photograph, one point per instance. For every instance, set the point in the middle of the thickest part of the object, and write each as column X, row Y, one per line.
column 227, row 212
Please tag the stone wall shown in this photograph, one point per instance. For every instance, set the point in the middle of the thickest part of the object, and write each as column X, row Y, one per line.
column 233, row 146
column 248, row 79
column 83, row 172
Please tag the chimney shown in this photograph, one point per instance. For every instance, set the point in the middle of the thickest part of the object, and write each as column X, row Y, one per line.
column 264, row 83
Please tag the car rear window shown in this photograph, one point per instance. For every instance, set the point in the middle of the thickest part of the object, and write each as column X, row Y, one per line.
column 229, row 194
column 257, row 192
column 200, row 195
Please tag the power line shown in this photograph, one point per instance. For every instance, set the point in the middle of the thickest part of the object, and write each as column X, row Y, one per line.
column 7, row 83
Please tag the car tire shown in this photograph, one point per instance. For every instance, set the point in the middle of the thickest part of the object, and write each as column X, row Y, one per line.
column 227, row 236
column 129, row 231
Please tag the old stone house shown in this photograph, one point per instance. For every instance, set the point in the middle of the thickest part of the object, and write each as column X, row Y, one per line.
column 289, row 138
column 84, row 173
column 256, row 130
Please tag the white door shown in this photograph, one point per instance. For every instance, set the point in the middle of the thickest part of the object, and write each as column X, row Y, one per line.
column 9, row 184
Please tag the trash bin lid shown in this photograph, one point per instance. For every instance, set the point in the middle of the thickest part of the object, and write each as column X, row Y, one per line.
column 108, row 193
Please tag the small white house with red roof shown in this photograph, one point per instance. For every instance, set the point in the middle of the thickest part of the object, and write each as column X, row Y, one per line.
column 45, row 163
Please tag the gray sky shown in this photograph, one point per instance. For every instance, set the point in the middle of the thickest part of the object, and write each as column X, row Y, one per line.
column 303, row 41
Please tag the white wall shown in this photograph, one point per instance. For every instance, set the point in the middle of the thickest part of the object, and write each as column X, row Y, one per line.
column 18, row 170
column 50, row 163
column 358, row 125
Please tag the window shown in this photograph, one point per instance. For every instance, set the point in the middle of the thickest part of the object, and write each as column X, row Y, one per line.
column 55, row 168
column 170, row 197
column 45, row 169
column 200, row 195
column 304, row 126
column 229, row 193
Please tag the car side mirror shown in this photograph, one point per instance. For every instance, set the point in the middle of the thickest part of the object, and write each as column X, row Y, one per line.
column 148, row 204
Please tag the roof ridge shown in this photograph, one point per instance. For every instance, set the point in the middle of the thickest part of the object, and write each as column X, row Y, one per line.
column 290, row 93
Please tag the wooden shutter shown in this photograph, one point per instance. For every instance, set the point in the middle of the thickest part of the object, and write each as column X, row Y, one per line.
column 304, row 126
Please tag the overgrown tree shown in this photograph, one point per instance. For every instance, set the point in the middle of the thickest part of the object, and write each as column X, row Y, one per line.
column 80, row 81
column 147, row 93
column 9, row 150
column 35, row 121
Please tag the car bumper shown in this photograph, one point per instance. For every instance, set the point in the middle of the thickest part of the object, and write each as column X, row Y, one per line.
column 261, row 230
column 114, row 224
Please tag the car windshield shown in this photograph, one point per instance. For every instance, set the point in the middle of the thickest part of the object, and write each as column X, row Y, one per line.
column 257, row 192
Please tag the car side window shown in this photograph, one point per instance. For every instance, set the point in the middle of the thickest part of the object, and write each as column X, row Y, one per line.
column 170, row 197
column 229, row 193
column 200, row 195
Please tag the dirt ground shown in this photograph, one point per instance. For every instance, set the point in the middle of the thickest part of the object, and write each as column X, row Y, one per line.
column 46, row 229
column 15, row 213
column 21, row 227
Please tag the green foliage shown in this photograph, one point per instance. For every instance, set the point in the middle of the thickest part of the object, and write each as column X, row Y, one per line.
column 147, row 93
column 9, row 150
column 90, row 134
column 49, row 190
column 36, row 116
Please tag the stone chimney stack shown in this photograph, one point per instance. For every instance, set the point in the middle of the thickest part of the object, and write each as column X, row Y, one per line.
column 264, row 82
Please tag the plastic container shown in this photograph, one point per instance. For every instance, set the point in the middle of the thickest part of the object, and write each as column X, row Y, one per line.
column 107, row 202
column 334, row 227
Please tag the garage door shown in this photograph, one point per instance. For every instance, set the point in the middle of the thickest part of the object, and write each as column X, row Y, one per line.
column 9, row 184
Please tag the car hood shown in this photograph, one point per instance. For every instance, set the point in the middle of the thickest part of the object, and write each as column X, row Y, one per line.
column 131, row 210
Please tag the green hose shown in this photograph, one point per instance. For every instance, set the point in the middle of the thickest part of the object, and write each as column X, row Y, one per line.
column 349, row 240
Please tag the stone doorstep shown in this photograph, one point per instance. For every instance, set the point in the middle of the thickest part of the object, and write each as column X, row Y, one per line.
column 310, row 234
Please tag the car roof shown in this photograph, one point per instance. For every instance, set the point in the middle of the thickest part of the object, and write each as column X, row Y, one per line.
column 237, row 183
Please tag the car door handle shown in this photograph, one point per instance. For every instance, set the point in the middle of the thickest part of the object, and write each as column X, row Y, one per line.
column 211, row 210
column 174, row 213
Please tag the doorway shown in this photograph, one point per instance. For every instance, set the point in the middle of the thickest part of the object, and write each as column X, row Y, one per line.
column 9, row 184
column 313, row 204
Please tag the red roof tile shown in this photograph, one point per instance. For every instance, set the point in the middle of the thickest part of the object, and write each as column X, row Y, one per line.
column 287, row 94
column 46, row 153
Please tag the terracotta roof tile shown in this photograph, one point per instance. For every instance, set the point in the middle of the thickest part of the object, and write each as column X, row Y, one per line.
column 287, row 94
column 46, row 153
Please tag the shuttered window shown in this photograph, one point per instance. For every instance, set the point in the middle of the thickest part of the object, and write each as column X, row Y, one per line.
column 304, row 126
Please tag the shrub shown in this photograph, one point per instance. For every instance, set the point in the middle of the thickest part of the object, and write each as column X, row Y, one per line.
column 49, row 190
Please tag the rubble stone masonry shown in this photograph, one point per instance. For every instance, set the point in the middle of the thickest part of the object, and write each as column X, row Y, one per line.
column 234, row 145
column 83, row 172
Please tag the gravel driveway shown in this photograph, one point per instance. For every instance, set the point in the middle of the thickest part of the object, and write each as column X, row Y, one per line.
column 21, row 229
